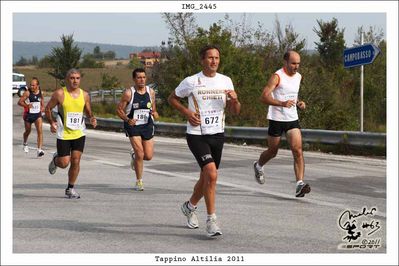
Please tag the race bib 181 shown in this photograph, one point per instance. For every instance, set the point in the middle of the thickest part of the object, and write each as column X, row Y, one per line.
column 74, row 120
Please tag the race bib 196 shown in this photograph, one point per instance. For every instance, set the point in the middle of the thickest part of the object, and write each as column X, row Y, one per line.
column 74, row 120
column 141, row 116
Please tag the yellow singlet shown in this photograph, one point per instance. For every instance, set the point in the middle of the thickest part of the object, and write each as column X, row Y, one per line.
column 70, row 119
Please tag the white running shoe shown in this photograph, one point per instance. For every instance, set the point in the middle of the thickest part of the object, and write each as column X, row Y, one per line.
column 40, row 153
column 26, row 148
column 192, row 219
column 71, row 193
column 259, row 174
column 212, row 228
column 132, row 158
column 52, row 167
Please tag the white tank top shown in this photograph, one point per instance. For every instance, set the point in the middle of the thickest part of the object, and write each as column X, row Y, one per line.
column 287, row 89
column 206, row 95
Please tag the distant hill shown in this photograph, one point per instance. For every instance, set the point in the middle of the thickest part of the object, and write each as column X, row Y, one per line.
column 41, row 49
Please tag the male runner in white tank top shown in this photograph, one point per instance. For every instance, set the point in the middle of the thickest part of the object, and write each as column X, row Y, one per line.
column 208, row 94
column 281, row 94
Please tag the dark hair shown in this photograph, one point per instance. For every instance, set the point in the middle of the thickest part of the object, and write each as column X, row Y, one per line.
column 204, row 49
column 37, row 80
column 137, row 70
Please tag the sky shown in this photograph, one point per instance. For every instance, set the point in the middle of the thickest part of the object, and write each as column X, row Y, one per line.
column 150, row 29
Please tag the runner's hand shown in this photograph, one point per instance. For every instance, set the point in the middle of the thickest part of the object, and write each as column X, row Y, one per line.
column 194, row 119
column 93, row 121
column 131, row 121
column 53, row 127
column 155, row 115
column 301, row 105
column 231, row 95
column 288, row 103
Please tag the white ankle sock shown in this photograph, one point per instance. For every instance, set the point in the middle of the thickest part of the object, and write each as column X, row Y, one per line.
column 299, row 182
column 209, row 216
column 191, row 206
column 258, row 166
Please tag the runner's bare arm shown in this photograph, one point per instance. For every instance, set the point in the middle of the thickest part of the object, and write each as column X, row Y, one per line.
column 233, row 104
column 22, row 100
column 120, row 108
column 192, row 117
column 154, row 105
column 267, row 97
column 87, row 109
column 56, row 98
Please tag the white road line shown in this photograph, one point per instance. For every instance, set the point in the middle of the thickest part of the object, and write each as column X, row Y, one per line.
column 241, row 187
column 109, row 163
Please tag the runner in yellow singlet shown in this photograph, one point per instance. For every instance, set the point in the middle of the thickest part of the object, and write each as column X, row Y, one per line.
column 70, row 127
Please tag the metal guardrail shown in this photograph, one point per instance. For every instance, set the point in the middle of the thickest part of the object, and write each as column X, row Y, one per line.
column 112, row 92
column 363, row 139
column 103, row 93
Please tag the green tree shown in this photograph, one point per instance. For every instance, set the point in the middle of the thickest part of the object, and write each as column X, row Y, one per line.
column 135, row 63
column 182, row 27
column 22, row 61
column 97, row 54
column 90, row 62
column 64, row 58
column 374, row 89
column 326, row 85
column 373, row 35
column 110, row 55
column 45, row 62
column 287, row 39
column 34, row 60
column 332, row 43
column 109, row 82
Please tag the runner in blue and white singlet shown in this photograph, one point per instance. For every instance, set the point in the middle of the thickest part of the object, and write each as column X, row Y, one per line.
column 33, row 103
column 137, row 109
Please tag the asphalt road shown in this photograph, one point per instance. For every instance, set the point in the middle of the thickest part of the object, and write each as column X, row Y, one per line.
column 111, row 217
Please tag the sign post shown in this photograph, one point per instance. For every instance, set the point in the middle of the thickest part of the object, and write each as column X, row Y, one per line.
column 360, row 56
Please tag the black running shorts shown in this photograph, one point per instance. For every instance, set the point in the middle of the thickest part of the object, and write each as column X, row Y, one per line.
column 276, row 128
column 145, row 131
column 206, row 148
column 31, row 118
column 64, row 147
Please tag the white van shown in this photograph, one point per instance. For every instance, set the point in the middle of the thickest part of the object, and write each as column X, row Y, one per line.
column 18, row 83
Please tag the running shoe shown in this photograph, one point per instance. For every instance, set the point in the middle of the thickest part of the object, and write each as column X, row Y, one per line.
column 302, row 189
column 259, row 174
column 25, row 148
column 132, row 158
column 139, row 185
column 212, row 228
column 52, row 167
column 192, row 219
column 71, row 193
column 40, row 153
